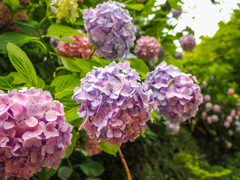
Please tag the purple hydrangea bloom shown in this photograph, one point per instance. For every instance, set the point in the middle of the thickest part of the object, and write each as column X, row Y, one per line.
column 110, row 29
column 33, row 133
column 176, row 13
column 147, row 48
column 115, row 106
column 177, row 94
column 178, row 55
column 173, row 128
column 188, row 43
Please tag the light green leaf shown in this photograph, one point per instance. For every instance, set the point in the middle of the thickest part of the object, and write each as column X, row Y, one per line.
column 175, row 62
column 72, row 114
column 64, row 39
column 137, row 7
column 140, row 67
column 12, row 4
column 62, row 30
column 112, row 149
column 174, row 4
column 73, row 143
column 10, row 37
column 92, row 168
column 22, row 64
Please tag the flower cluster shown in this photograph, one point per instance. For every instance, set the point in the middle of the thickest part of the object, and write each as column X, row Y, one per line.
column 33, row 133
column 5, row 17
column 178, row 55
column 65, row 9
column 80, row 49
column 115, row 107
column 188, row 43
column 147, row 48
column 110, row 29
column 177, row 94
column 92, row 147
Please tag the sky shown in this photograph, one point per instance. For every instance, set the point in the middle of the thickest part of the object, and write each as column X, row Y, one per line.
column 202, row 16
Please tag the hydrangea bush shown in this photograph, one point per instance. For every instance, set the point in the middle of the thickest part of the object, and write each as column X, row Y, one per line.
column 110, row 29
column 33, row 133
column 188, row 43
column 114, row 105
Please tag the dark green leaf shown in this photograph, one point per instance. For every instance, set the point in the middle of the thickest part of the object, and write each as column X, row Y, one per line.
column 112, row 149
column 22, row 64
column 73, row 143
column 92, row 168
column 45, row 175
column 64, row 173
column 9, row 37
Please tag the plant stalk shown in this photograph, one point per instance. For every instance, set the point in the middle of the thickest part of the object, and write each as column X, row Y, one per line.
column 124, row 164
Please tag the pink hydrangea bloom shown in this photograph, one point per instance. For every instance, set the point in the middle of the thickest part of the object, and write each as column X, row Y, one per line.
column 33, row 133
column 204, row 115
column 216, row 108
column 206, row 98
column 80, row 49
column 92, row 147
column 230, row 91
column 188, row 43
column 147, row 48
column 214, row 118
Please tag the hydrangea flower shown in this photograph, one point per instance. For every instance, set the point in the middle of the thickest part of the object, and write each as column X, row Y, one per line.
column 92, row 147
column 80, row 49
column 65, row 9
column 33, row 133
column 206, row 97
column 114, row 105
column 176, row 13
column 110, row 29
column 173, row 128
column 216, row 108
column 147, row 48
column 178, row 55
column 188, row 43
column 177, row 94
column 230, row 91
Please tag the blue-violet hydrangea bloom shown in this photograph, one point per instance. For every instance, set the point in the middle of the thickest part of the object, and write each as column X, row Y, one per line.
column 177, row 94
column 110, row 29
column 114, row 105
column 33, row 133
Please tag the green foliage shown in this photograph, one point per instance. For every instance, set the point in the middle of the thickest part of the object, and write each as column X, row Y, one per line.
column 140, row 67
column 62, row 30
column 110, row 149
column 13, row 5
column 92, row 168
column 174, row 4
column 73, row 143
column 45, row 175
column 22, row 63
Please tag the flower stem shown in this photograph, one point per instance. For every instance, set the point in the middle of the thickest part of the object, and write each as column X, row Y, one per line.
column 124, row 164
column 93, row 51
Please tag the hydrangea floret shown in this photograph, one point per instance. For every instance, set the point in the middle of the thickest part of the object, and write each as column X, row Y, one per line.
column 114, row 105
column 147, row 48
column 80, row 49
column 110, row 29
column 33, row 133
column 177, row 94
column 188, row 43
column 67, row 9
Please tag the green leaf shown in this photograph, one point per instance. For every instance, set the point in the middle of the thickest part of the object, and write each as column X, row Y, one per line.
column 12, row 4
column 51, row 89
column 45, row 175
column 137, row 7
column 9, row 37
column 64, row 173
column 140, row 66
column 28, row 27
column 92, row 168
column 174, row 4
column 62, row 30
column 175, row 62
column 64, row 39
column 65, row 85
column 112, row 149
column 83, row 65
column 72, row 114
column 93, row 179
column 22, row 64
column 73, row 143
